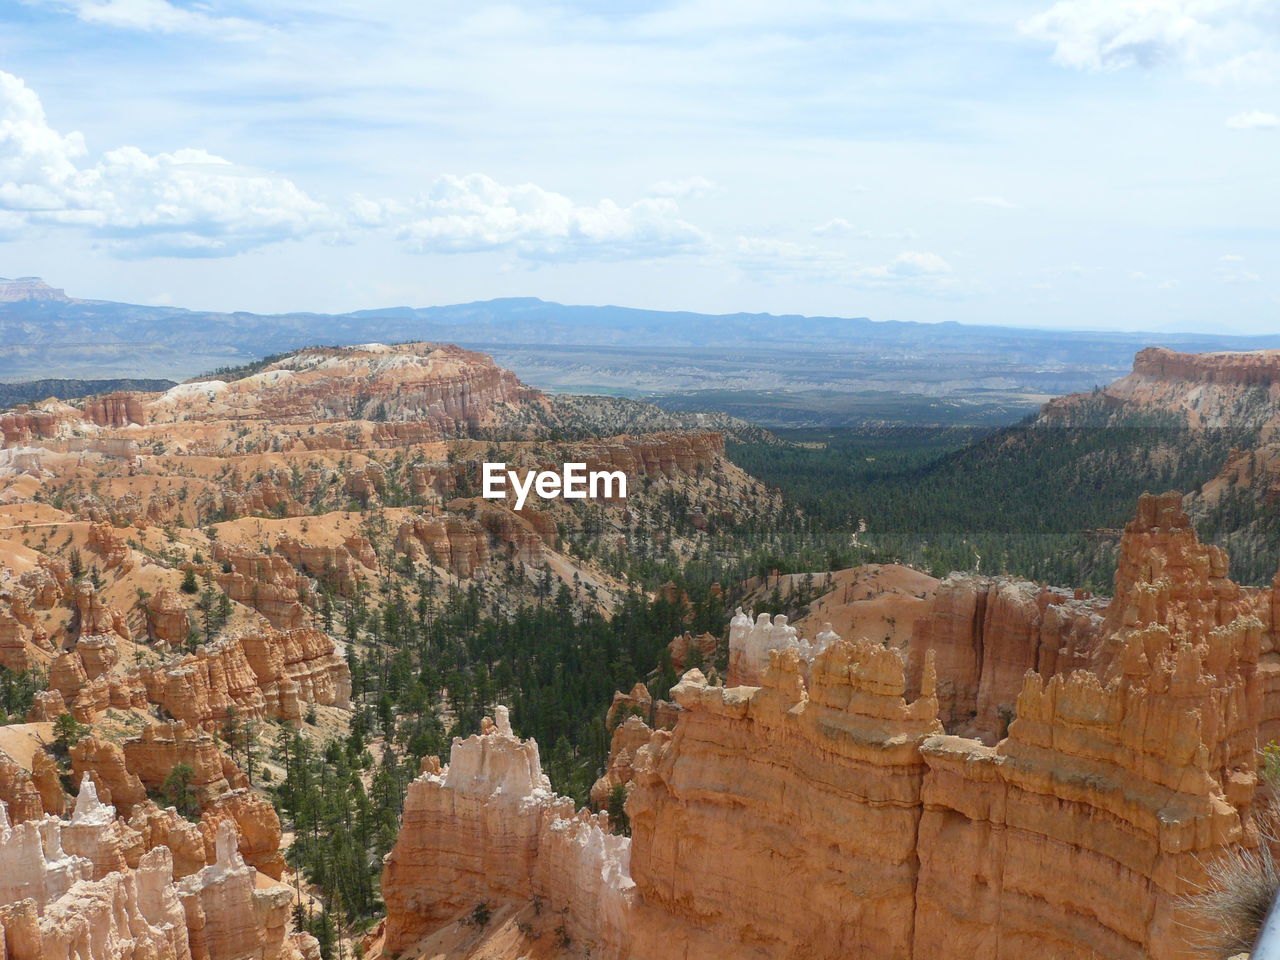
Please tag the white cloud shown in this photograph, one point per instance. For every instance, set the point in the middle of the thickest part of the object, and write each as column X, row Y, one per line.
column 187, row 203
column 190, row 203
column 1142, row 277
column 466, row 214
column 833, row 227
column 1239, row 276
column 683, row 189
column 772, row 259
column 916, row 264
column 160, row 16
column 1232, row 271
column 37, row 164
column 840, row 227
column 999, row 203
column 1253, row 120
column 1215, row 38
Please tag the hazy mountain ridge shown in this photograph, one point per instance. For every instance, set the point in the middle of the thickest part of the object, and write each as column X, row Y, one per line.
column 600, row 349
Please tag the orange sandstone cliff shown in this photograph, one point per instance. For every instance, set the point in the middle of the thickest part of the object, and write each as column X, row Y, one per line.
column 823, row 811
column 93, row 888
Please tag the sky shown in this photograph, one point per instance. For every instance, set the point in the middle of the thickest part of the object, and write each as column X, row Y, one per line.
column 1101, row 164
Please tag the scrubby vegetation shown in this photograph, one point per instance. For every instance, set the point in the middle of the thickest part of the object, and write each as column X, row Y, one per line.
column 33, row 391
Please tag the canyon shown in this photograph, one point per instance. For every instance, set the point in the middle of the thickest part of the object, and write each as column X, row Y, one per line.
column 885, row 765
column 172, row 564
column 823, row 807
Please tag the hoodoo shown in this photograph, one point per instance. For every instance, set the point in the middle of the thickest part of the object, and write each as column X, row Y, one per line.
column 824, row 812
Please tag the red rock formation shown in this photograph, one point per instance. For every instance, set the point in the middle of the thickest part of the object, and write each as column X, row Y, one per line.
column 227, row 916
column 257, row 828
column 114, row 409
column 168, row 620
column 521, row 534
column 825, row 814
column 680, row 648
column 459, row 545
column 1085, row 780
column 640, row 703
column 295, row 666
column 95, row 618
column 48, row 782
column 986, row 632
column 17, row 429
column 95, row 834
column 1210, row 390
column 487, row 827
column 16, row 634
column 657, row 454
column 98, row 653
column 343, row 568
column 414, row 392
column 628, row 737
column 1261, row 367
column 861, row 805
column 366, row 483
column 19, row 792
column 162, row 746
column 261, row 673
column 434, row 479
column 129, row 510
column 113, row 776
column 115, row 917
column 240, row 498
column 46, row 707
column 186, row 841
column 122, row 691
column 268, row 584
column 94, row 889
column 114, row 551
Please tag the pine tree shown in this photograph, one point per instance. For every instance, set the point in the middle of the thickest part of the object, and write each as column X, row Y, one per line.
column 619, row 822
column 179, row 793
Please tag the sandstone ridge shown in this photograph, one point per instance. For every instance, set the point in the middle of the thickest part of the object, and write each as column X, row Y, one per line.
column 824, row 811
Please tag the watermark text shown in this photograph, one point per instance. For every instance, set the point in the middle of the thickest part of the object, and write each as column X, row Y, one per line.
column 573, row 482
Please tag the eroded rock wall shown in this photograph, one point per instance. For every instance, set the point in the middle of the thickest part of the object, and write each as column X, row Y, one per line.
column 92, row 888
column 487, row 827
column 825, row 813
column 257, row 673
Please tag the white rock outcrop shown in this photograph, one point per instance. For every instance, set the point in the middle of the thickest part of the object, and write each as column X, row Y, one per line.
column 68, row 892
column 489, row 828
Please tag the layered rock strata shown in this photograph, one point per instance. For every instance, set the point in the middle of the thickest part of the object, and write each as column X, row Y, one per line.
column 824, row 812
column 253, row 673
column 91, row 889
column 488, row 826
column 152, row 756
column 258, row 674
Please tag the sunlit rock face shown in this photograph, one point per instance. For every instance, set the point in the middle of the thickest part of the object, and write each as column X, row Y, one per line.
column 487, row 827
column 824, row 811
column 752, row 644
column 985, row 633
column 95, row 888
column 227, row 917
column 257, row 673
column 1129, row 777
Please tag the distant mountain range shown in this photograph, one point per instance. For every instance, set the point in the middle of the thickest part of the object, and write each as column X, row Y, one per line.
column 44, row 333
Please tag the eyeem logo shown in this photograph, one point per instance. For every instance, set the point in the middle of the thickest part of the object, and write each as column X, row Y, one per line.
column 572, row 483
